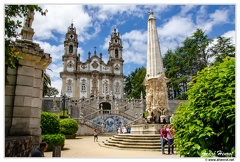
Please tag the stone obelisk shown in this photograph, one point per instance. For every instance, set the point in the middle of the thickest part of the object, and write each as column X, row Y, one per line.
column 155, row 80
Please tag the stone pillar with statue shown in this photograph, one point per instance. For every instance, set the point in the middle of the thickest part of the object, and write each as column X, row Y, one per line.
column 23, row 97
column 155, row 80
column 156, row 85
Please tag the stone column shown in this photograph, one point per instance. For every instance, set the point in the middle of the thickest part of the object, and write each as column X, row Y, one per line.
column 27, row 95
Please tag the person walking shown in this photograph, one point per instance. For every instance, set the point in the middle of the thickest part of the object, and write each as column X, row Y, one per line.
column 39, row 152
column 95, row 134
column 163, row 137
column 170, row 138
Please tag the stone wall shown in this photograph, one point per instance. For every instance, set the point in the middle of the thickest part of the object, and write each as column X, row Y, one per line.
column 19, row 146
column 173, row 104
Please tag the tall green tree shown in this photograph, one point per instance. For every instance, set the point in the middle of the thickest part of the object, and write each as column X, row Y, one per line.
column 223, row 48
column 196, row 51
column 186, row 61
column 134, row 83
column 171, row 64
column 11, row 25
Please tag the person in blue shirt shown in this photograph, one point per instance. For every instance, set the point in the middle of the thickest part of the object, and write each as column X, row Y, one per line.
column 39, row 152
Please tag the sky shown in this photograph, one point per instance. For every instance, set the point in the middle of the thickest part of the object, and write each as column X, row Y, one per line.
column 95, row 22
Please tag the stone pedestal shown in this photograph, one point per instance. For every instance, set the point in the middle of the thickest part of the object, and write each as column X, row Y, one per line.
column 24, row 91
column 146, row 129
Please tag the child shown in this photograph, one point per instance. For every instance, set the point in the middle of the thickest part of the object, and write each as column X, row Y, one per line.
column 95, row 134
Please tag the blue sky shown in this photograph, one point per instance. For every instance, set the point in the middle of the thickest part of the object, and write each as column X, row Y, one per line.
column 94, row 24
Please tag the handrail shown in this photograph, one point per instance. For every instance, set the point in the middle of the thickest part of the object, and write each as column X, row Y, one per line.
column 91, row 115
column 92, row 125
column 89, row 123
column 130, row 117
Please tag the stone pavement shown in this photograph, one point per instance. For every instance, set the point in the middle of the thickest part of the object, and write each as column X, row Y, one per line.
column 85, row 147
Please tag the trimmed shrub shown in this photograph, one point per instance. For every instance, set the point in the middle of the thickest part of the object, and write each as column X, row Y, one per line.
column 50, row 123
column 68, row 126
column 54, row 140
column 205, row 126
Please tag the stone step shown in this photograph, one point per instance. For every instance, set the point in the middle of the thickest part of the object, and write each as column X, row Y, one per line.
column 135, row 141
column 132, row 146
column 136, row 137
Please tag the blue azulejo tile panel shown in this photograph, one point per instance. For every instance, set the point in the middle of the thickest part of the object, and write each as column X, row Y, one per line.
column 111, row 122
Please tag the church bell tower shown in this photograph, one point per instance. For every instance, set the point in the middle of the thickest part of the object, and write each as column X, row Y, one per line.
column 70, row 60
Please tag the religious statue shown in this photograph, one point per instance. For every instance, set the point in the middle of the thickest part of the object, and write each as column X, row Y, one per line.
column 29, row 19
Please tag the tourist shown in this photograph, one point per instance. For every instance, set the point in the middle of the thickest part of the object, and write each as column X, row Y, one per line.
column 128, row 130
column 39, row 152
column 124, row 130
column 119, row 130
column 163, row 137
column 95, row 134
column 170, row 138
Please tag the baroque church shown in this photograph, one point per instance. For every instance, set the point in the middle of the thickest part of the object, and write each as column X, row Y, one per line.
column 93, row 77
column 94, row 90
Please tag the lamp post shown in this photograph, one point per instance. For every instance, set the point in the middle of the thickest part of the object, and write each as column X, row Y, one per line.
column 64, row 104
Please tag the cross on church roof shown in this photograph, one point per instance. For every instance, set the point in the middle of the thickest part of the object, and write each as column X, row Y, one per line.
column 95, row 50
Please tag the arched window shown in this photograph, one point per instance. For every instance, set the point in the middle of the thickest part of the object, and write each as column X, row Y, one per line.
column 83, row 87
column 69, row 88
column 116, row 53
column 70, row 49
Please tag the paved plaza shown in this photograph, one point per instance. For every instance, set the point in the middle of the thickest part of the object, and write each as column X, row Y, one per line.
column 85, row 147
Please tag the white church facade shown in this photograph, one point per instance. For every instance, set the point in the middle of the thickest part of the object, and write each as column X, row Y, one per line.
column 93, row 77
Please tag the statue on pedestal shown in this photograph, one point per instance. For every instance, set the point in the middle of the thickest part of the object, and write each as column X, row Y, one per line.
column 29, row 19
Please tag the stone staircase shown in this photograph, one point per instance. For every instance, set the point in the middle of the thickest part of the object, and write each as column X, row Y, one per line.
column 134, row 141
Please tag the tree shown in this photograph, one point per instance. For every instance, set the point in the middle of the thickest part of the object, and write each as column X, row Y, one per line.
column 196, row 53
column 11, row 26
column 171, row 64
column 134, row 83
column 205, row 125
column 46, row 83
column 51, row 91
column 222, row 49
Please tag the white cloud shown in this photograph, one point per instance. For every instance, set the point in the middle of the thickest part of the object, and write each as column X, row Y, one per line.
column 219, row 16
column 55, row 51
column 186, row 8
column 106, row 42
column 58, row 19
column 231, row 34
column 135, row 47
column 173, row 32
column 207, row 22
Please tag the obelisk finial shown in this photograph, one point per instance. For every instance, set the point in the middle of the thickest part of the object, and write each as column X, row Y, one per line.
column 150, row 12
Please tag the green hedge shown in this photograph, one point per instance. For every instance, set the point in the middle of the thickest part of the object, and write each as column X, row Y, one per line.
column 206, row 125
column 68, row 126
column 54, row 140
column 50, row 123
